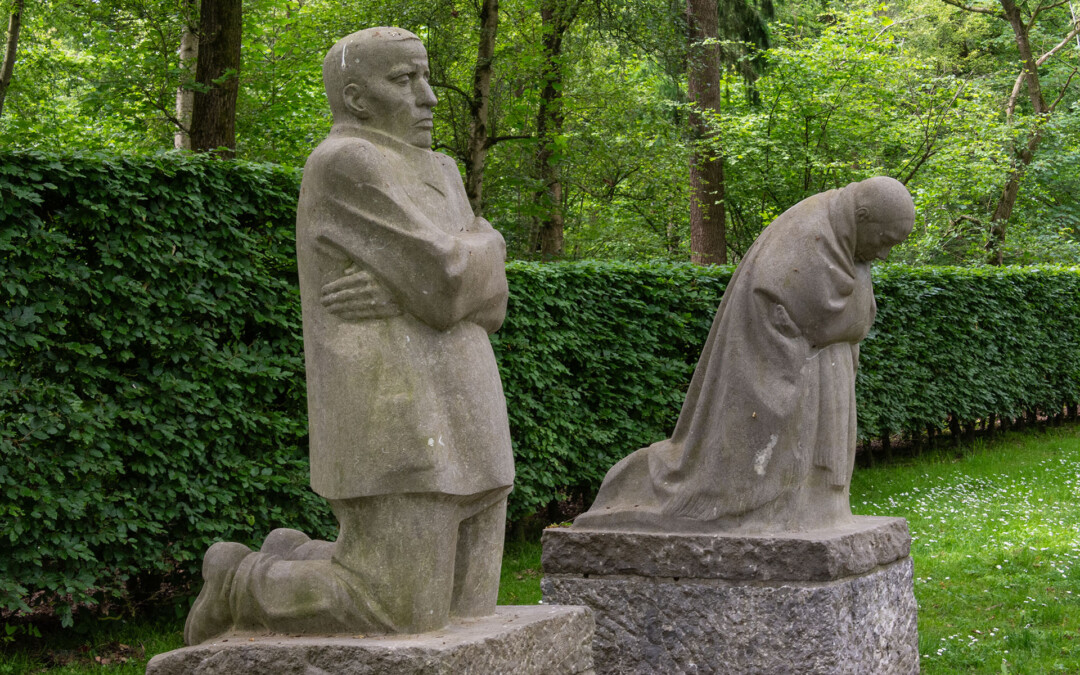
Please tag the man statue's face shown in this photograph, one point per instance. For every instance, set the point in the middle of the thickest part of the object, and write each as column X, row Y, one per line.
column 394, row 93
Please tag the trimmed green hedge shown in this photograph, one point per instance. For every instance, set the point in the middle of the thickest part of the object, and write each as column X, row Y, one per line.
column 151, row 372
column 595, row 360
column 968, row 344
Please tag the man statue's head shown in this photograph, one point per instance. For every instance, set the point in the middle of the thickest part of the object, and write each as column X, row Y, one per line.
column 378, row 78
column 884, row 216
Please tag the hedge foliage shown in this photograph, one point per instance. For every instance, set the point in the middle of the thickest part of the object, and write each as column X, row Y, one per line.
column 967, row 344
column 151, row 369
column 595, row 360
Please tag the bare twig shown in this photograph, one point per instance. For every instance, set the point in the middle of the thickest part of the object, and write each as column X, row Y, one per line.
column 492, row 140
column 1073, row 33
column 1042, row 8
column 1064, row 87
column 446, row 85
column 969, row 8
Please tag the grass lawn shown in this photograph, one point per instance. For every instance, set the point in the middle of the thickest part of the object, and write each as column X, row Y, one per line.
column 996, row 544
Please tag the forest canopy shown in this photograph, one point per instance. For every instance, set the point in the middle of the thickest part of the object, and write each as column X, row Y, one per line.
column 576, row 123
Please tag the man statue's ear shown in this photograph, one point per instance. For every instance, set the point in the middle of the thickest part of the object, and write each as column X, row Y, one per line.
column 353, row 96
column 862, row 214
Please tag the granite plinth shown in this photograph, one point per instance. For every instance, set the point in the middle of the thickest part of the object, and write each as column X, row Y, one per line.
column 834, row 601
column 528, row 640
column 863, row 544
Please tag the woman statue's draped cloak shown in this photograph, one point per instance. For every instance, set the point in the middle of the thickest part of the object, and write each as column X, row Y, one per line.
column 766, row 436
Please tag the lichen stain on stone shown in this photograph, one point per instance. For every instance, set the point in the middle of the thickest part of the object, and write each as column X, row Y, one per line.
column 761, row 460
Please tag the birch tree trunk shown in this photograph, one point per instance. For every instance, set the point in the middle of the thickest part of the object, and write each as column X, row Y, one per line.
column 185, row 97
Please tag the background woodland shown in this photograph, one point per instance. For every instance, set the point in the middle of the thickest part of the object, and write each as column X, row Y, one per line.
column 619, row 129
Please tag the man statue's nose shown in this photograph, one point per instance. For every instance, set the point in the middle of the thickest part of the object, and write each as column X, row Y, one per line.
column 427, row 95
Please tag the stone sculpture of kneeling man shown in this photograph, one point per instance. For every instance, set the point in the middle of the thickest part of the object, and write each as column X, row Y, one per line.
column 400, row 286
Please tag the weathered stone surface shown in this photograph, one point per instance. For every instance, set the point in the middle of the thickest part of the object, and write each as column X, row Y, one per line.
column 859, row 625
column 863, row 544
column 765, row 441
column 400, row 286
column 521, row 640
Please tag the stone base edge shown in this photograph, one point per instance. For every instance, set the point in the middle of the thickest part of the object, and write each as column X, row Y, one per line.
column 540, row 640
column 857, row 625
column 856, row 547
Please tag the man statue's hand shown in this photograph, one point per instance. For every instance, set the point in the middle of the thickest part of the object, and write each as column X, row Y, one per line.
column 358, row 296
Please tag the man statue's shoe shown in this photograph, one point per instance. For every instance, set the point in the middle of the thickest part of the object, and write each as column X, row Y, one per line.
column 295, row 545
column 210, row 616
column 283, row 541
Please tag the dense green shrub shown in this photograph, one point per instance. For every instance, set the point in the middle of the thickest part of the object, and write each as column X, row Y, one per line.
column 595, row 359
column 151, row 373
column 968, row 343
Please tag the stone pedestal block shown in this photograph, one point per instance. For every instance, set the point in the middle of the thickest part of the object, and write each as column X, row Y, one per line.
column 527, row 640
column 835, row 601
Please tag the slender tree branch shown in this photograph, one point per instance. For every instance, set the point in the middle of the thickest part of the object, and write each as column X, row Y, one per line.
column 931, row 138
column 1011, row 107
column 445, row 85
column 1041, row 8
column 449, row 149
column 612, row 186
column 930, row 152
column 1063, row 89
column 1073, row 33
column 969, row 8
column 492, row 140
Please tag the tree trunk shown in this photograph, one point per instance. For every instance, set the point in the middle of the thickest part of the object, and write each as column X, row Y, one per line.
column 969, row 432
column 1004, row 208
column 185, row 97
column 1027, row 58
column 556, row 17
column 213, row 116
column 708, row 243
column 954, row 429
column 8, row 67
column 917, row 442
column 479, row 106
